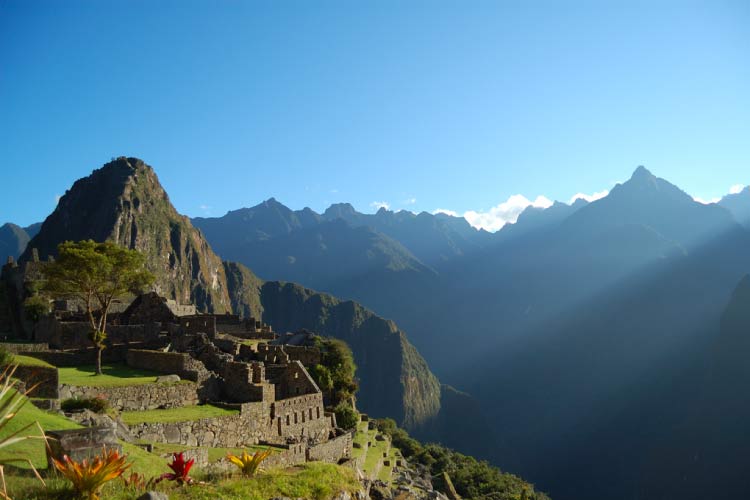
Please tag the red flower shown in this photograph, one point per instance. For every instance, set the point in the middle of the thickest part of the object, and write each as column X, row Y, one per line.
column 180, row 469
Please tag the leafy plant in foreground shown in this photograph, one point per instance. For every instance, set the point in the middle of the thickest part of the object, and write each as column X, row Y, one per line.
column 247, row 463
column 11, row 403
column 136, row 482
column 180, row 469
column 88, row 477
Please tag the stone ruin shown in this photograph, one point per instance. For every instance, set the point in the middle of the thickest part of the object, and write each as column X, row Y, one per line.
column 277, row 401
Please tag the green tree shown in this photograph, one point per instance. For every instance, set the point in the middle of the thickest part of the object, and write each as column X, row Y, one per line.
column 338, row 358
column 96, row 274
column 346, row 416
column 323, row 378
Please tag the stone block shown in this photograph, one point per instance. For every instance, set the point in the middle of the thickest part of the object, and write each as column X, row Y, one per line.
column 79, row 444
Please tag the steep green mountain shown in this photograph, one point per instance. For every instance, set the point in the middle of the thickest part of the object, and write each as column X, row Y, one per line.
column 13, row 241
column 739, row 205
column 124, row 202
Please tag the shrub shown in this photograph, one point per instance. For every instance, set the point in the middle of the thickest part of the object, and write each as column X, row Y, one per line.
column 97, row 405
column 247, row 463
column 346, row 416
column 5, row 357
column 35, row 307
column 89, row 477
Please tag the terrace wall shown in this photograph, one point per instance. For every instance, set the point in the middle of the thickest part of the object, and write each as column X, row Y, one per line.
column 332, row 450
column 45, row 376
column 138, row 397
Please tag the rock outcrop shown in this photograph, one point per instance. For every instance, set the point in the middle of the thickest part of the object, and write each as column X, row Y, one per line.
column 124, row 202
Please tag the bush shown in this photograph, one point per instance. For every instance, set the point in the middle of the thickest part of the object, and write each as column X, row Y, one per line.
column 346, row 416
column 5, row 357
column 97, row 405
column 35, row 307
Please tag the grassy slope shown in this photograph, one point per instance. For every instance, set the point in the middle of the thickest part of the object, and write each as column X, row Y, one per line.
column 182, row 414
column 316, row 481
column 29, row 361
column 113, row 376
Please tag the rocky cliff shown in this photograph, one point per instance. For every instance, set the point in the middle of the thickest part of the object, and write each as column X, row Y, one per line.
column 395, row 380
column 124, row 202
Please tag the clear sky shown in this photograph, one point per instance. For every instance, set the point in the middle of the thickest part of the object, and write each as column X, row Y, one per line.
column 421, row 105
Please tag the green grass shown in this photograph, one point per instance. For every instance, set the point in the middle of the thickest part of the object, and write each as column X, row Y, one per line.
column 315, row 481
column 32, row 449
column 183, row 414
column 214, row 454
column 113, row 376
column 29, row 361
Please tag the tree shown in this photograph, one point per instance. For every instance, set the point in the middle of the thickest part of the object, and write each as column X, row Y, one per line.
column 96, row 274
column 323, row 378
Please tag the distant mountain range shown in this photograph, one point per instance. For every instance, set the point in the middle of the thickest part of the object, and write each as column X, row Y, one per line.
column 603, row 341
column 13, row 239
column 570, row 325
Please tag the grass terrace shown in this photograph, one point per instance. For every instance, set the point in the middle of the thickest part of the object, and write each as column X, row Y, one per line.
column 113, row 376
column 182, row 414
column 29, row 361
column 34, row 449
column 315, row 481
column 214, row 454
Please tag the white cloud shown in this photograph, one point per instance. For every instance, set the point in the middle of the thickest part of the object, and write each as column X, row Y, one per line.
column 377, row 205
column 205, row 208
column 410, row 201
column 334, row 191
column 589, row 197
column 445, row 211
column 508, row 211
column 57, row 198
column 706, row 202
column 737, row 188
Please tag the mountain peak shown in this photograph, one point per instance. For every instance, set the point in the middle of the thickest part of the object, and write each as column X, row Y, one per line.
column 340, row 208
column 642, row 173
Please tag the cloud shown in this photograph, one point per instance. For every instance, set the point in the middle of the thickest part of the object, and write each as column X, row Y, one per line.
column 205, row 208
column 508, row 211
column 737, row 188
column 57, row 198
column 445, row 211
column 410, row 201
column 589, row 197
column 377, row 205
column 706, row 202
column 333, row 191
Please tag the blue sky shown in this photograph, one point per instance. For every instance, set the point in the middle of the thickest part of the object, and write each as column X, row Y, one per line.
column 421, row 105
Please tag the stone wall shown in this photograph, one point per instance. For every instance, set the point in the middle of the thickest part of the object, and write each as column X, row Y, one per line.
column 200, row 323
column 291, row 380
column 75, row 334
column 18, row 348
column 86, row 356
column 301, row 418
column 45, row 376
column 233, row 431
column 245, row 382
column 177, row 363
column 332, row 450
column 269, row 353
column 138, row 397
